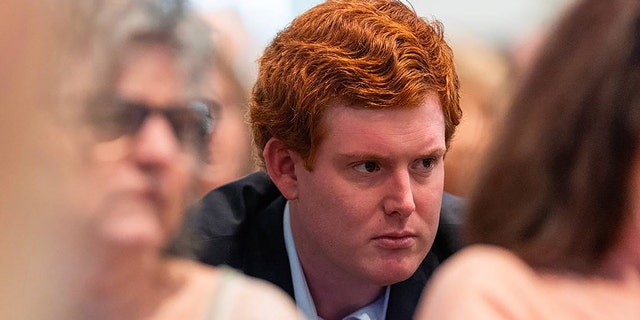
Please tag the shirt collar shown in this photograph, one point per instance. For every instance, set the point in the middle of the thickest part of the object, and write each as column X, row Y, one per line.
column 374, row 311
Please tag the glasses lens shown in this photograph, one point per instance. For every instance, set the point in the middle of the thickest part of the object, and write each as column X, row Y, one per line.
column 183, row 122
column 131, row 116
column 191, row 125
column 114, row 118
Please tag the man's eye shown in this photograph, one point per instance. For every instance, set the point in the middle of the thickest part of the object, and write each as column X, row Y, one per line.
column 367, row 167
column 426, row 164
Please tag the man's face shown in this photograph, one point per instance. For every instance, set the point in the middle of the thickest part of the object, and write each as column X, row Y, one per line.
column 369, row 210
column 145, row 173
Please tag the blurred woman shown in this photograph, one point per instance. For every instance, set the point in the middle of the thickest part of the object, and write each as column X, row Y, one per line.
column 151, row 132
column 555, row 216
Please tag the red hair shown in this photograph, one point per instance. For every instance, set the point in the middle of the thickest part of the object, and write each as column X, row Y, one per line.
column 374, row 54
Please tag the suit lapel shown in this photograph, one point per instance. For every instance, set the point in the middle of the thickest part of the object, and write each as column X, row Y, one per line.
column 266, row 254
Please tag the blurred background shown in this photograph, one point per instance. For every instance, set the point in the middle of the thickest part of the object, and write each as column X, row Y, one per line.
column 500, row 22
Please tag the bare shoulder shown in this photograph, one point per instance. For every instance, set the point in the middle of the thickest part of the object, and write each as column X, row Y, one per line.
column 187, row 286
column 196, row 273
column 480, row 265
column 489, row 261
column 263, row 300
column 481, row 282
column 229, row 294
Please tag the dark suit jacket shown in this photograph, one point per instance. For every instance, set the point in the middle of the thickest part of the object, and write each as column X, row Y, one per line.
column 240, row 225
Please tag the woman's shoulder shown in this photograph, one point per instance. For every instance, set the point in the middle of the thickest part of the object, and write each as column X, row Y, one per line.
column 228, row 294
column 244, row 297
column 480, row 265
column 482, row 280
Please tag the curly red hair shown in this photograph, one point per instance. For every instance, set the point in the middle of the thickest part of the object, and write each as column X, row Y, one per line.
column 373, row 54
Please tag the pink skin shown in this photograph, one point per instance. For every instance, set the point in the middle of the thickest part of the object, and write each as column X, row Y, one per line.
column 366, row 215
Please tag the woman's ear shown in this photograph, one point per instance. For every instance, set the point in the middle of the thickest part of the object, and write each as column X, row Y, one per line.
column 281, row 162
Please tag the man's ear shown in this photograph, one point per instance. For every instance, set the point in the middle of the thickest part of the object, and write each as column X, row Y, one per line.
column 281, row 162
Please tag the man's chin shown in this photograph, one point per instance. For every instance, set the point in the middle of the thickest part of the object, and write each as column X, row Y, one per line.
column 389, row 279
column 394, row 272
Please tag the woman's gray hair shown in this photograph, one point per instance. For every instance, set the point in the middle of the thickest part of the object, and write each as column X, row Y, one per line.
column 123, row 24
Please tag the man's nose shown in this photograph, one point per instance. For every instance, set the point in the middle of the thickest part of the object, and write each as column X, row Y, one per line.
column 155, row 144
column 399, row 196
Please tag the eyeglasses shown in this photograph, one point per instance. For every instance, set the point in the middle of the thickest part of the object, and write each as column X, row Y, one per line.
column 192, row 124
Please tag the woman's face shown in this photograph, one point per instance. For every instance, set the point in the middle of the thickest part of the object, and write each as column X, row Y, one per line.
column 146, row 174
column 230, row 144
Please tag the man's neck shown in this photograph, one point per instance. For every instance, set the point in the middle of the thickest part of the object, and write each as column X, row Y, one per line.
column 336, row 298
column 320, row 288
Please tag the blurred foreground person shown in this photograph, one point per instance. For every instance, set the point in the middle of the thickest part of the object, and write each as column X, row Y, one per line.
column 40, row 239
column 151, row 58
column 352, row 112
column 556, row 213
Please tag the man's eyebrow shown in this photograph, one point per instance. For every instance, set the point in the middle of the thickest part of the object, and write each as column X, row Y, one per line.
column 354, row 156
column 360, row 156
column 437, row 152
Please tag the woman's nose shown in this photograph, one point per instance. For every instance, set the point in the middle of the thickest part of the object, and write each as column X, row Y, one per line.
column 155, row 144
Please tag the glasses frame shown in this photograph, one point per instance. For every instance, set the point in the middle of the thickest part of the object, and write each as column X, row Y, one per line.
column 192, row 123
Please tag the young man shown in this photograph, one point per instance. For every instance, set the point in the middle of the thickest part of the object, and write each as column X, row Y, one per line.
column 353, row 111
